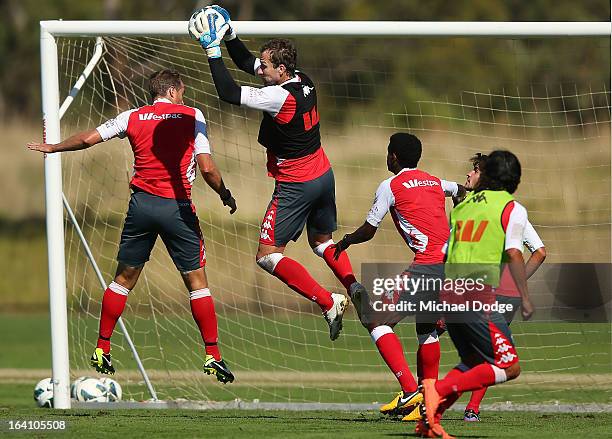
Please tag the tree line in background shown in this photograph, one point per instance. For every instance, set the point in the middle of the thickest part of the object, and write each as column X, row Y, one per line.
column 491, row 64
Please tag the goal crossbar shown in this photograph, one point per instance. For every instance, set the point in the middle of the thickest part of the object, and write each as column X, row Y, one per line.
column 341, row 28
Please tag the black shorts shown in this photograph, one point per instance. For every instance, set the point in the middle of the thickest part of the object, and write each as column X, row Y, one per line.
column 293, row 205
column 393, row 306
column 174, row 220
column 484, row 337
column 509, row 300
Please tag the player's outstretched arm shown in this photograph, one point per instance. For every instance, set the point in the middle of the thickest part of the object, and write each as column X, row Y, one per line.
column 227, row 89
column 460, row 196
column 241, row 56
column 82, row 140
column 455, row 190
column 239, row 53
column 209, row 26
column 213, row 178
column 364, row 233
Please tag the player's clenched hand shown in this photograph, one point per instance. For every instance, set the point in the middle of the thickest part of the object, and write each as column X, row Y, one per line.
column 339, row 247
column 42, row 147
column 526, row 309
column 228, row 200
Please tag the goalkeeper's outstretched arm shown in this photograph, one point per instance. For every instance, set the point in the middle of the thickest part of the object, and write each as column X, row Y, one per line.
column 227, row 89
column 241, row 56
column 82, row 140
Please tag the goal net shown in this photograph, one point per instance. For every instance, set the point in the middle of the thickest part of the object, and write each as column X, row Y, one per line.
column 547, row 100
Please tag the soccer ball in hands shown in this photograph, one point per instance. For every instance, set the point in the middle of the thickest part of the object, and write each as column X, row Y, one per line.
column 43, row 393
column 90, row 390
column 209, row 22
column 114, row 389
column 200, row 22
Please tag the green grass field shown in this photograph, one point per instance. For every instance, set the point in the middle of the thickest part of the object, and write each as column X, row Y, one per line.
column 250, row 424
column 577, row 358
column 16, row 404
column 294, row 343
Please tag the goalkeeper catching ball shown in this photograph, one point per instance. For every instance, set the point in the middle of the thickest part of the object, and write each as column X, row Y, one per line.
column 304, row 192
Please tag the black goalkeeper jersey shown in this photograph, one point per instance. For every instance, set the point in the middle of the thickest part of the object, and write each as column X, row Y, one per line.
column 294, row 135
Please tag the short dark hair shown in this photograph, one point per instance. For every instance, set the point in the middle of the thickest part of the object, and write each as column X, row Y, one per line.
column 162, row 80
column 501, row 172
column 281, row 52
column 407, row 149
column 478, row 160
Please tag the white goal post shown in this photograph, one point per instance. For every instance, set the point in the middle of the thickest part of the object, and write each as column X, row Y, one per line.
column 51, row 114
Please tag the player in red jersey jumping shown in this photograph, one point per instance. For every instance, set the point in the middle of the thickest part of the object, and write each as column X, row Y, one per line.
column 169, row 142
column 416, row 201
column 304, row 192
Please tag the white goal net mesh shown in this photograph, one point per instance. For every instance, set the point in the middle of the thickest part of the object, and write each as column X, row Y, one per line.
column 275, row 341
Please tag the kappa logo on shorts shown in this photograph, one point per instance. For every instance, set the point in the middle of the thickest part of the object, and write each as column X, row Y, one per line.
column 267, row 226
column 504, row 351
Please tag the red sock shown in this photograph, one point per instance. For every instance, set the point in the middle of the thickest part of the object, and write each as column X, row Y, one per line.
column 428, row 360
column 450, row 399
column 341, row 267
column 298, row 279
column 203, row 312
column 476, row 398
column 477, row 377
column 391, row 350
column 113, row 303
column 453, row 374
column 446, row 404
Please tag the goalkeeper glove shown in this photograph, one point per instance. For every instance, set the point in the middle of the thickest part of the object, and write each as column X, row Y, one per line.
column 231, row 33
column 208, row 27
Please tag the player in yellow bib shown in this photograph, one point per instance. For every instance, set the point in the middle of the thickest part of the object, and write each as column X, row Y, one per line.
column 507, row 293
column 486, row 230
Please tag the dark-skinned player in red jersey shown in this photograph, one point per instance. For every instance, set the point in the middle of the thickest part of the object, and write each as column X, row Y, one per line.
column 304, row 192
column 169, row 142
column 416, row 202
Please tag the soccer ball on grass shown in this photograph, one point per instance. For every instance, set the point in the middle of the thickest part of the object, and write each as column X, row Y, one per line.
column 43, row 393
column 90, row 390
column 114, row 389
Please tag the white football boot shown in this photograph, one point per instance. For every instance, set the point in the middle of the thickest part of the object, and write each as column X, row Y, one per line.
column 333, row 317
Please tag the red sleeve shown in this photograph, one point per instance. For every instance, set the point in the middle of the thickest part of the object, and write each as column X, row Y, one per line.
column 287, row 111
column 505, row 216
